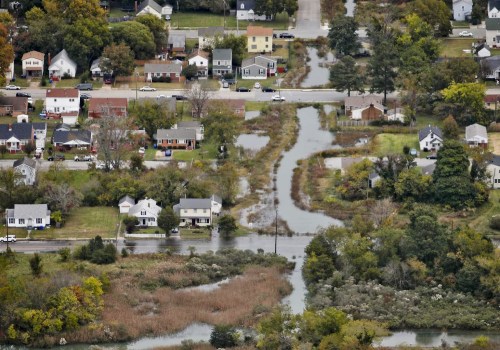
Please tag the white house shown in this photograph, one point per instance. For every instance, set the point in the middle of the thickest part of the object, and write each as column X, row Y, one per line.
column 26, row 169
column 151, row 7
column 245, row 10
column 481, row 50
column 494, row 171
column 125, row 204
column 493, row 31
column 200, row 59
column 493, row 8
column 29, row 216
column 9, row 72
column 216, row 203
column 95, row 70
column 430, row 138
column 62, row 64
column 206, row 36
column 146, row 212
column 396, row 114
column 62, row 100
column 461, row 9
column 32, row 63
column 194, row 211
column 476, row 135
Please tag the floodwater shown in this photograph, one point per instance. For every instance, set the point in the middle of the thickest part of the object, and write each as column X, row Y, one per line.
column 252, row 141
column 251, row 115
column 319, row 73
column 350, row 6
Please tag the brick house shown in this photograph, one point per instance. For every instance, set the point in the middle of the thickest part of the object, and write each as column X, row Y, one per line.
column 107, row 107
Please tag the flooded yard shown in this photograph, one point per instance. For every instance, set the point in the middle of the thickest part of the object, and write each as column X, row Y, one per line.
column 319, row 73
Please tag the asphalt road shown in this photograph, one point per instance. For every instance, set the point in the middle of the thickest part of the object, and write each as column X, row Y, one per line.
column 308, row 17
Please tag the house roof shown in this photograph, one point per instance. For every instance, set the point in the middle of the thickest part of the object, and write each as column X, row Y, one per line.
column 467, row 1
column 200, row 53
column 247, row 62
column 247, row 5
column 362, row 101
column 150, row 3
column 177, row 40
column 210, row 31
column 95, row 64
column 29, row 211
column 147, row 204
column 259, row 31
column 222, row 54
column 481, row 46
column 21, row 131
column 492, row 62
column 64, row 136
column 492, row 23
column 495, row 160
column 98, row 104
column 27, row 161
column 127, row 199
column 494, row 4
column 475, row 130
column 62, row 93
column 63, row 55
column 33, row 54
column 40, row 126
column 18, row 103
column 163, row 134
column 162, row 68
column 195, row 203
column 422, row 134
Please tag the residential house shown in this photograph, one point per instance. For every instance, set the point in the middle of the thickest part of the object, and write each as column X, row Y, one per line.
column 216, row 204
column 13, row 105
column 206, row 36
column 461, row 9
column 371, row 112
column 222, row 62
column 62, row 65
column 32, row 63
column 62, row 100
column 29, row 216
column 176, row 45
column 146, row 212
column 40, row 134
column 9, row 72
column 396, row 114
column 490, row 67
column 194, row 211
column 195, row 125
column 356, row 102
column 26, row 169
column 16, row 136
column 245, row 10
column 430, row 138
column 168, row 103
column 167, row 72
column 149, row 7
column 125, row 204
column 65, row 140
column 259, row 39
column 494, row 171
column 107, row 107
column 200, row 59
column 259, row 67
column 492, row 102
column 476, row 135
column 481, row 50
column 493, row 32
column 95, row 70
column 493, row 8
column 176, row 138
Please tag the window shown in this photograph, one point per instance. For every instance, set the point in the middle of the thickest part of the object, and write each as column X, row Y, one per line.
column 253, row 38
column 21, row 221
column 204, row 211
column 55, row 100
column 185, row 211
column 143, row 212
column 267, row 39
column 218, row 63
column 261, row 71
column 195, row 210
column 39, row 220
column 71, row 100
column 254, row 47
column 246, row 71
column 267, row 46
column 12, row 221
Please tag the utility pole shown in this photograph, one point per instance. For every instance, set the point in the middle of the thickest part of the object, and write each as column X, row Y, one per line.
column 276, row 232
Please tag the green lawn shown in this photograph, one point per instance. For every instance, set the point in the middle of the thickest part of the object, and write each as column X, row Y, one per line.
column 207, row 151
column 460, row 24
column 71, row 83
column 181, row 20
column 453, row 47
column 384, row 144
column 270, row 82
column 85, row 222
column 482, row 222
column 255, row 105
column 426, row 120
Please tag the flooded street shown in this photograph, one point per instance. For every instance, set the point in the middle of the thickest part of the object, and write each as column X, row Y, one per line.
column 319, row 73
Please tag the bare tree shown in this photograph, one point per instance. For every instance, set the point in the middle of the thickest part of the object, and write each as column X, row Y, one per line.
column 382, row 211
column 198, row 97
column 62, row 197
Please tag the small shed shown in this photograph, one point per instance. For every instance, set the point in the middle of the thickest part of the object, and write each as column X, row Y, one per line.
column 125, row 204
column 23, row 118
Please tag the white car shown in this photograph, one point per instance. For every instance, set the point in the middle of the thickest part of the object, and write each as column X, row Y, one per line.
column 257, row 86
column 278, row 98
column 9, row 238
column 12, row 87
column 465, row 34
column 147, row 88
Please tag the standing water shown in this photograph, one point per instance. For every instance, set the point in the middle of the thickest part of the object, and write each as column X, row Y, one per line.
column 319, row 73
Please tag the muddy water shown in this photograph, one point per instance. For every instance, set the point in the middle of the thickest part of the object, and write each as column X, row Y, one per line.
column 318, row 74
column 350, row 6
column 252, row 141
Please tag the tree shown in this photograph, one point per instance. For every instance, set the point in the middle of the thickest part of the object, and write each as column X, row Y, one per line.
column 166, row 184
column 223, row 336
column 9, row 180
column 237, row 43
column 434, row 12
column 467, row 100
column 117, row 59
column 3, row 150
column 343, row 37
column 276, row 331
column 227, row 225
column 227, row 182
column 412, row 184
column 36, row 265
column 381, row 68
column 271, row 8
column 190, row 71
column 113, row 141
column 158, row 29
column 153, row 115
column 130, row 223
column 354, row 183
column 6, row 54
column 168, row 220
column 198, row 97
column 346, row 75
column 450, row 128
column 136, row 163
column 29, row 148
column 137, row 36
column 61, row 197
column 222, row 126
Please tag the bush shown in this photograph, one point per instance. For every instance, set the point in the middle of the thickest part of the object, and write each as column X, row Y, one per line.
column 36, row 265
column 130, row 223
column 66, row 76
column 43, row 82
column 161, row 80
column 85, row 77
column 223, row 337
column 495, row 222
column 65, row 254
column 97, row 252
column 124, row 252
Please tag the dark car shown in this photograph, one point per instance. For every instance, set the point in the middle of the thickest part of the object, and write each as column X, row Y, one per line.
column 57, row 157
column 268, row 89
column 432, row 156
column 85, row 96
column 243, row 89
column 180, row 97
column 84, row 86
column 287, row 36
column 230, row 81
column 23, row 94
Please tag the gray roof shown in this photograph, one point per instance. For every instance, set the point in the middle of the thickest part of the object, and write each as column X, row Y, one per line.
column 210, row 31
column 195, row 203
column 162, row 68
column 222, row 54
column 151, row 3
column 216, row 198
column 495, row 160
column 494, row 4
column 189, row 124
column 21, row 131
column 164, row 134
column 177, row 40
column 250, row 61
column 492, row 23
column 247, row 4
column 29, row 211
column 63, row 136
column 28, row 161
column 427, row 130
column 40, row 126
column 475, row 130
column 127, row 199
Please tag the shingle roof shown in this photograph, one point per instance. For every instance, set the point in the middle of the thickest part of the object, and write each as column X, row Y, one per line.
column 249, row 62
column 18, row 103
column 30, row 211
column 127, row 199
column 222, row 54
column 210, row 31
column 96, row 104
column 62, row 93
column 200, row 53
column 177, row 40
column 195, row 203
column 475, row 130
column 361, row 101
column 164, row 134
column 33, row 54
column 495, row 160
column 63, row 136
column 40, row 126
column 62, row 55
column 143, row 205
column 28, row 161
column 21, row 131
column 151, row 3
column 492, row 23
column 162, row 68
column 427, row 130
column 247, row 5
column 494, row 4
column 259, row 31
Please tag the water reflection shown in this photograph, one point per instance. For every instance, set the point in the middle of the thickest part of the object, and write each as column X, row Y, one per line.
column 252, row 142
column 319, row 73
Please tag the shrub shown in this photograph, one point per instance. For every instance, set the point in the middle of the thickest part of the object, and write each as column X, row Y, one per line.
column 36, row 265
column 65, row 254
column 495, row 222
column 84, row 77
column 223, row 337
column 43, row 82
column 66, row 76
column 124, row 252
column 130, row 223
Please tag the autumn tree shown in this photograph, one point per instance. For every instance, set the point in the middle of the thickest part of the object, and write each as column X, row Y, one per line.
column 466, row 102
column 153, row 115
column 6, row 53
column 113, row 142
column 227, row 182
column 346, row 75
column 117, row 59
column 343, row 37
column 434, row 12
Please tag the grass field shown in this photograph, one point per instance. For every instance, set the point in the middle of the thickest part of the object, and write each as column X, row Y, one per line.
column 85, row 222
column 181, row 20
column 453, row 47
column 206, row 151
column 254, row 105
column 71, row 83
column 494, row 141
column 384, row 144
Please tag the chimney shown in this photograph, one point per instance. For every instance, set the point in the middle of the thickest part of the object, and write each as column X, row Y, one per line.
column 10, row 127
column 48, row 58
column 135, row 7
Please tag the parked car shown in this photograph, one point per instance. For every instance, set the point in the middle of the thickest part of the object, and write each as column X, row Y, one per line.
column 85, row 86
column 108, row 80
column 8, row 238
column 175, row 230
column 278, row 98
column 413, row 152
column 287, row 36
column 147, row 88
column 230, row 81
column 22, row 94
column 465, row 33
column 432, row 156
column 243, row 89
column 162, row 96
column 167, row 17
column 12, row 87
column 85, row 96
column 57, row 157
column 180, row 97
column 268, row 89
column 225, row 84
column 43, row 114
column 86, row 158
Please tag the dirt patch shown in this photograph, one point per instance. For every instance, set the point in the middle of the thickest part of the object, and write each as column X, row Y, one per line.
column 494, row 141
